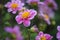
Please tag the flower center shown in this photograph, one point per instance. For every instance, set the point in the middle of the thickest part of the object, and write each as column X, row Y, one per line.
column 25, row 15
column 14, row 5
column 46, row 16
column 43, row 38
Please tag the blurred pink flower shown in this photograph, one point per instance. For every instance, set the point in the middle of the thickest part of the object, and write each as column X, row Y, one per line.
column 58, row 33
column 14, row 5
column 15, row 31
column 32, row 1
column 45, row 9
column 25, row 17
column 45, row 12
column 51, row 3
column 42, row 36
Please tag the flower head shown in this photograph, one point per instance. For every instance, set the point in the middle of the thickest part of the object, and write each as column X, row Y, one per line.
column 51, row 3
column 14, row 5
column 58, row 34
column 45, row 12
column 32, row 2
column 25, row 17
column 15, row 32
column 42, row 36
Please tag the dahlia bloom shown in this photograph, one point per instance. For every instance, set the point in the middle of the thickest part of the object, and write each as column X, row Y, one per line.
column 32, row 1
column 45, row 12
column 58, row 34
column 45, row 9
column 15, row 32
column 14, row 5
column 42, row 36
column 51, row 3
column 25, row 17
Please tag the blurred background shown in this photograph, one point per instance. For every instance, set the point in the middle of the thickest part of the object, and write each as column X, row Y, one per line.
column 8, row 19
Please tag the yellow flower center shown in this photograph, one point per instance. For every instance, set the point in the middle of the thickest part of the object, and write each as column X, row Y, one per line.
column 14, row 5
column 43, row 38
column 25, row 15
column 46, row 16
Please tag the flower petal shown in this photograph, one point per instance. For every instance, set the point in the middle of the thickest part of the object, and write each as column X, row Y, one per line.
column 41, row 33
column 33, row 14
column 38, row 38
column 58, row 35
column 26, row 23
column 16, row 29
column 18, row 19
column 8, row 4
column 9, row 10
column 48, row 37
column 8, row 29
column 58, row 28
column 14, row 12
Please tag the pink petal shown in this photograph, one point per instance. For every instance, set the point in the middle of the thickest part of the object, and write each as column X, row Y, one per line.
column 48, row 36
column 19, row 37
column 41, row 33
column 8, row 4
column 33, row 14
column 55, row 5
column 8, row 29
column 13, row 1
column 19, row 19
column 9, row 10
column 26, row 23
column 38, row 38
column 14, row 12
column 47, row 21
column 58, row 28
column 16, row 29
column 58, row 35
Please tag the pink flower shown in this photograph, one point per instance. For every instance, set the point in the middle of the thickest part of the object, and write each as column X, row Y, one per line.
column 45, row 12
column 33, row 1
column 51, row 3
column 15, row 32
column 45, row 9
column 25, row 17
column 58, row 33
column 42, row 36
column 14, row 5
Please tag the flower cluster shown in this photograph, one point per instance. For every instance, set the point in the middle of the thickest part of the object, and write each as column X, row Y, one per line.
column 45, row 11
column 23, row 16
